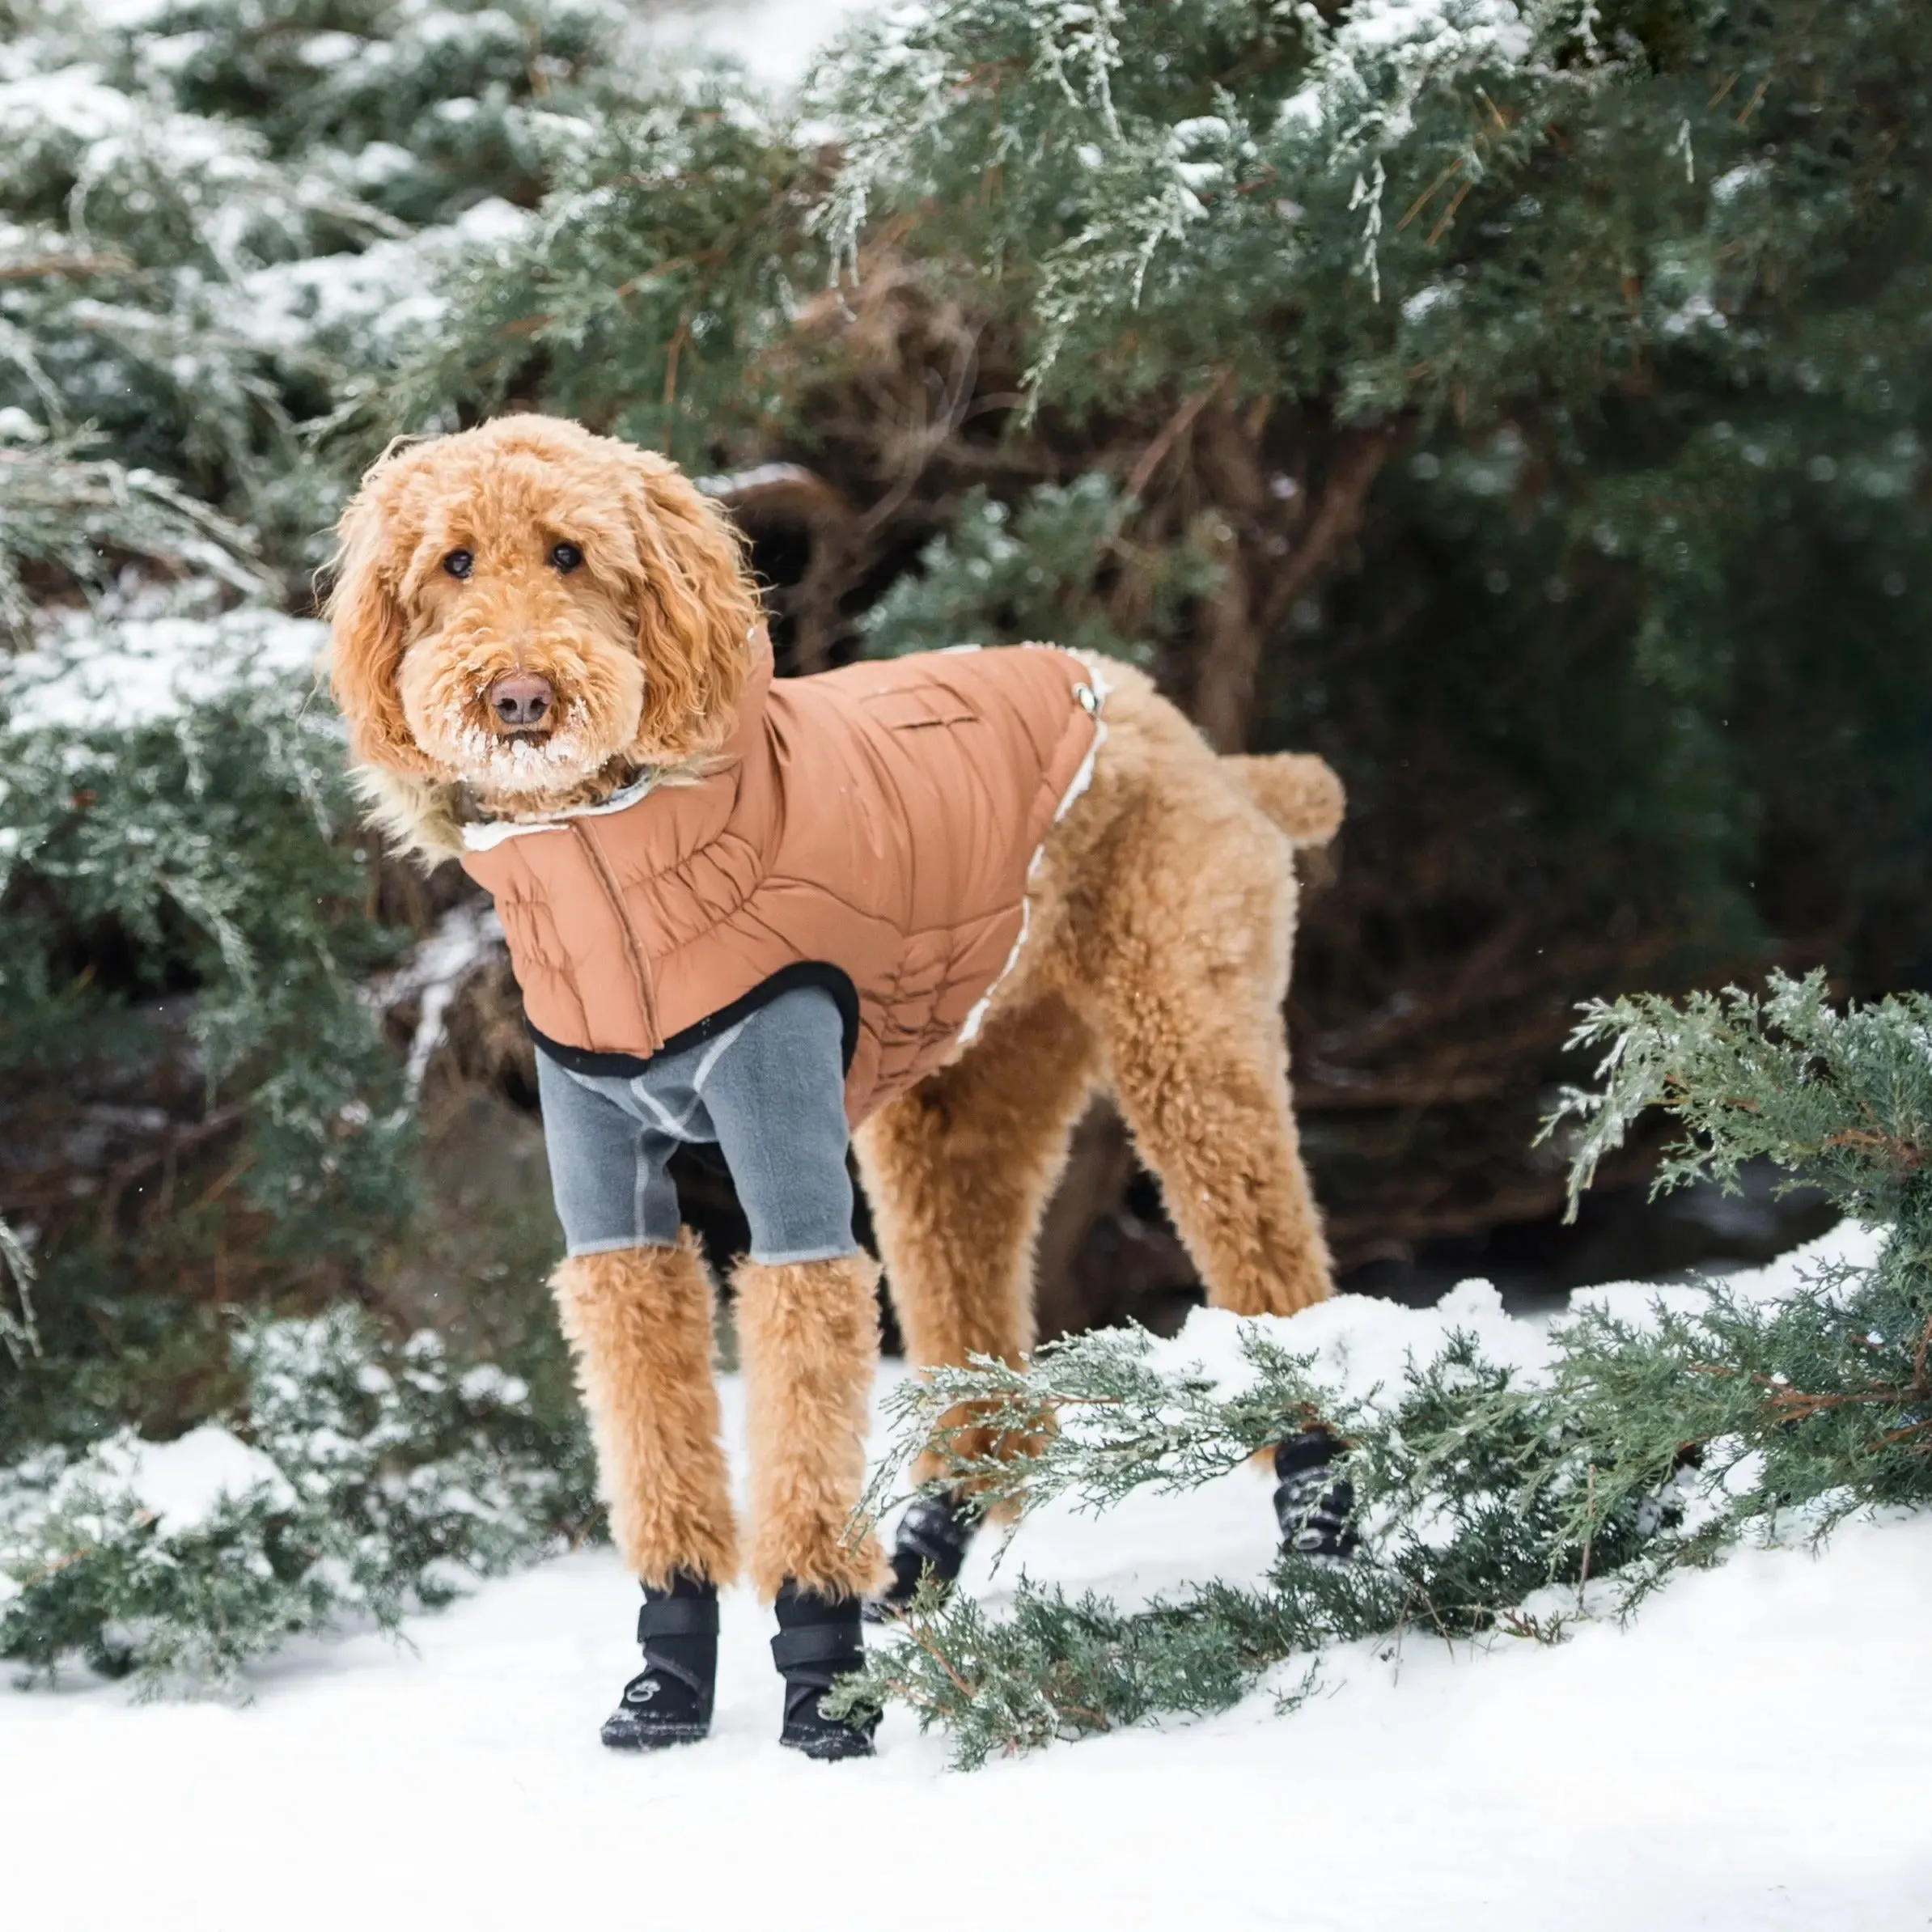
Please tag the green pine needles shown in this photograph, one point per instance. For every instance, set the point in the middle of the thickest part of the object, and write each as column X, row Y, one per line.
column 375, row 1478
column 1030, row 572
column 218, row 224
column 1842, row 1101
column 1492, row 1500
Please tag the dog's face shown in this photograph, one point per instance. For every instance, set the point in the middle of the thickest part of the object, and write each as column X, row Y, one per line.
column 525, row 608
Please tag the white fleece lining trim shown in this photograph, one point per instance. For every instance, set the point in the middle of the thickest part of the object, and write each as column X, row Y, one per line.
column 480, row 838
column 1083, row 778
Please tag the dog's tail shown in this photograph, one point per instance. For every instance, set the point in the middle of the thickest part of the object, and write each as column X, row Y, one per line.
column 1296, row 791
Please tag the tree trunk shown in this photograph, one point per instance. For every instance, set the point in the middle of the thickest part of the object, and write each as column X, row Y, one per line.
column 1097, row 1261
column 1280, row 543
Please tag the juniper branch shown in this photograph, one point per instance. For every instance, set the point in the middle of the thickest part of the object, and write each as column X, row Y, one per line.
column 1651, row 1441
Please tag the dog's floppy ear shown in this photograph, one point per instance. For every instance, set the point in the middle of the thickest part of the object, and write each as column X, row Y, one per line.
column 695, row 607
column 366, row 627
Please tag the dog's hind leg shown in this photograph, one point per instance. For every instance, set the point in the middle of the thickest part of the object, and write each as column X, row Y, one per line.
column 639, row 1320
column 1189, row 956
column 958, row 1172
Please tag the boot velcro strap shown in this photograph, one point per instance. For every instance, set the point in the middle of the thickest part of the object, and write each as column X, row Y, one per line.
column 658, row 1666
column 818, row 1643
column 678, row 1616
column 1312, row 1449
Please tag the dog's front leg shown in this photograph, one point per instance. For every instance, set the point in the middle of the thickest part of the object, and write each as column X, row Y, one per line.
column 808, row 1334
column 639, row 1320
column 808, row 1337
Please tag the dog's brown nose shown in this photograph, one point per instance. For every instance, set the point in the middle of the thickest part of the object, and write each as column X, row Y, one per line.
column 522, row 698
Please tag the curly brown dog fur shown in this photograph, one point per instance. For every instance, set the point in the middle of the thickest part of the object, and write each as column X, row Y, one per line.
column 1156, row 962
column 639, row 1319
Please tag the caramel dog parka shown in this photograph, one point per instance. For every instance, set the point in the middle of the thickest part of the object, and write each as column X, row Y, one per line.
column 871, row 829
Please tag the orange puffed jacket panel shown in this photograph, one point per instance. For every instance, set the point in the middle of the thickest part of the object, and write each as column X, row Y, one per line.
column 878, row 819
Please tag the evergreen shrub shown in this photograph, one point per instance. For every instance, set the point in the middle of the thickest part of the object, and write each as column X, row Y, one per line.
column 1491, row 1502
column 376, row 1478
column 217, row 224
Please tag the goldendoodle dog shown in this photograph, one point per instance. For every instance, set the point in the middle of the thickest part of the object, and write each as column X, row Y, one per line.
column 925, row 904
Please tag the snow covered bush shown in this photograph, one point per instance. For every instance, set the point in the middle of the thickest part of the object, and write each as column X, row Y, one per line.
column 360, row 1479
column 1493, row 1497
column 165, row 782
column 219, row 223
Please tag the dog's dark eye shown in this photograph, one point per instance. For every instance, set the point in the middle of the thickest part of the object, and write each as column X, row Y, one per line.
column 566, row 556
column 458, row 562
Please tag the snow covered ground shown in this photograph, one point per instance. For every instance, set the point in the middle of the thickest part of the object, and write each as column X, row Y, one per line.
column 1752, row 1753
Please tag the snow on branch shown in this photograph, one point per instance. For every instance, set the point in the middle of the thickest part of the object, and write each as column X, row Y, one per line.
column 467, row 939
column 90, row 673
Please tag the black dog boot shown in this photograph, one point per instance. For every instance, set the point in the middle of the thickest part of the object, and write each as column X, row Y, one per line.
column 932, row 1540
column 669, row 1701
column 1312, row 1503
column 819, row 1642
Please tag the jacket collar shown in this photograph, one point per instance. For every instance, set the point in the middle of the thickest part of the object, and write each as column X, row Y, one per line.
column 480, row 835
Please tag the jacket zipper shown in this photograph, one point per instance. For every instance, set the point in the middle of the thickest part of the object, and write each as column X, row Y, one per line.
column 639, row 971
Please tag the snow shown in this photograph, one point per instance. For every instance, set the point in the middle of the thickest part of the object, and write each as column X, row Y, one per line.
column 761, row 476
column 373, row 297
column 775, row 40
column 1747, row 1754
column 1385, row 24
column 97, row 673
column 1432, row 296
column 1408, row 39
column 128, row 13
column 182, row 1483
column 329, row 50
column 1750, row 174
column 74, row 101
column 466, row 939
column 1360, row 1343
